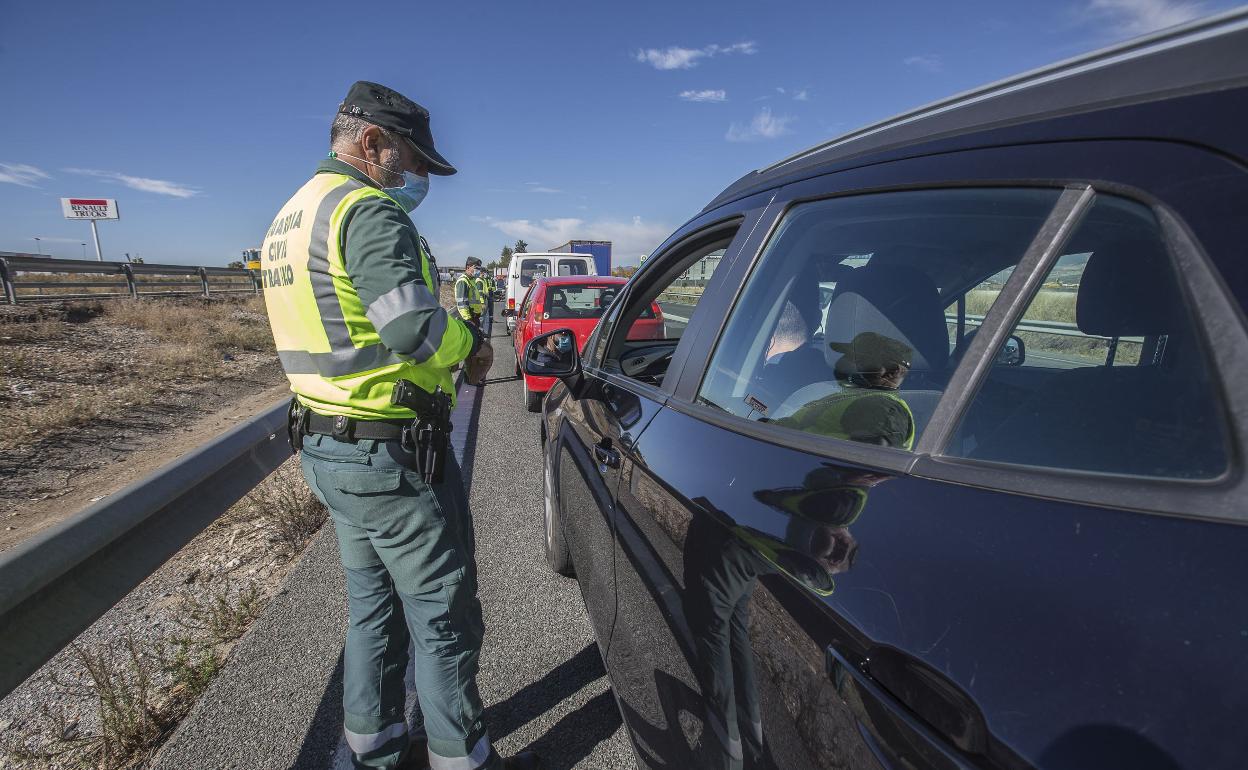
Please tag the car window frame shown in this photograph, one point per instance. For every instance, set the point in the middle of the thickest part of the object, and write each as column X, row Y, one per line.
column 744, row 215
column 1220, row 499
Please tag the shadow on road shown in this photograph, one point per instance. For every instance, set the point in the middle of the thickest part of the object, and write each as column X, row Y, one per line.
column 573, row 737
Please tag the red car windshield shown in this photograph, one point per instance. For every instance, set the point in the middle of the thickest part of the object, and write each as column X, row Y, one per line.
column 564, row 301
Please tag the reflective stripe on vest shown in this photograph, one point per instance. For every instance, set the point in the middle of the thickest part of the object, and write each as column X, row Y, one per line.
column 326, row 341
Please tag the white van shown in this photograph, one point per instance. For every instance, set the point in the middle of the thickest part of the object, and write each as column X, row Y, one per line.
column 525, row 267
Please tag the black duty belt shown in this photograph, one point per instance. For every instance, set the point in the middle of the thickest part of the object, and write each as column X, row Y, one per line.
column 350, row 429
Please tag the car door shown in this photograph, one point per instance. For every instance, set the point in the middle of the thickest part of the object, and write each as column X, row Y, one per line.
column 797, row 588
column 599, row 423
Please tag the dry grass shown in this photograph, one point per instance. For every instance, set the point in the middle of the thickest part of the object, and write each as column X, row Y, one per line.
column 146, row 348
column 210, row 326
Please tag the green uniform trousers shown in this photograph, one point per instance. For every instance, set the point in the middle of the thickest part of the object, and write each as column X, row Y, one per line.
column 409, row 559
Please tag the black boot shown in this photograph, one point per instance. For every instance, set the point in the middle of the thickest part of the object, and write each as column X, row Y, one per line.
column 525, row 760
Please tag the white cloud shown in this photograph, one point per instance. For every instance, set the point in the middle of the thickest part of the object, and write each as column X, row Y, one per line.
column 145, row 184
column 20, row 173
column 538, row 187
column 763, row 126
column 801, row 96
column 1136, row 17
column 708, row 95
column 927, row 62
column 677, row 58
column 627, row 238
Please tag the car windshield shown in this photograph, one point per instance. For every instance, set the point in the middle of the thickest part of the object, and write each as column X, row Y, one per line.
column 574, row 301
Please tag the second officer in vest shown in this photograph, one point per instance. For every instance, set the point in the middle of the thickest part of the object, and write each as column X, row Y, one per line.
column 468, row 299
column 351, row 298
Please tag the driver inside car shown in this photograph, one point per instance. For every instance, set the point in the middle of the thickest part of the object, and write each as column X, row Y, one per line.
column 868, row 409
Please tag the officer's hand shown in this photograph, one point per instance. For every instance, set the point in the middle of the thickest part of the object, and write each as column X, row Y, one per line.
column 477, row 366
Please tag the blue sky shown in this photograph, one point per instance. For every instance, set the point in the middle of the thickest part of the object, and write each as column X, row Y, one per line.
column 585, row 119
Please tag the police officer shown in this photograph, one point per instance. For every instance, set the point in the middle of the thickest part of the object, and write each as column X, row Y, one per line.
column 468, row 293
column 487, row 293
column 349, row 295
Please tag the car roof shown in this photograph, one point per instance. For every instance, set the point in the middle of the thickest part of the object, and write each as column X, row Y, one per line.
column 1203, row 56
column 563, row 280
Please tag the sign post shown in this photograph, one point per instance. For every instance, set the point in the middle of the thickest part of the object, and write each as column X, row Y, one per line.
column 93, row 209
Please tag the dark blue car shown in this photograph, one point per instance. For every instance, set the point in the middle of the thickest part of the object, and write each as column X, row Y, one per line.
column 940, row 461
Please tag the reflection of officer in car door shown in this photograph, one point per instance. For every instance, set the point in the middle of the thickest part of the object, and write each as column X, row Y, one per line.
column 867, row 409
column 723, row 563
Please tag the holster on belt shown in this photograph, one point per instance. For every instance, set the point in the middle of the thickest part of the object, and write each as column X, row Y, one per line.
column 428, row 438
column 296, row 424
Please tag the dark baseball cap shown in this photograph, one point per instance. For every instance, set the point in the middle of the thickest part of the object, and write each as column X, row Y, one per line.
column 472, row 261
column 391, row 110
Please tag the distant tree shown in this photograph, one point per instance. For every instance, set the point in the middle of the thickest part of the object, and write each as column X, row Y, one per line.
column 505, row 257
column 137, row 260
column 521, row 247
column 236, row 264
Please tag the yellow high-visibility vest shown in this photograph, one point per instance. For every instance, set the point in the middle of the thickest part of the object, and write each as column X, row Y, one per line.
column 332, row 354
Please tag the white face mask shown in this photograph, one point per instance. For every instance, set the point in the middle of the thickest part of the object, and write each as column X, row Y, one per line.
column 413, row 191
column 410, row 195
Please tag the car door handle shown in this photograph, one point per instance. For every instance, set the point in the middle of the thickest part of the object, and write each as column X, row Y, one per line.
column 606, row 456
column 895, row 694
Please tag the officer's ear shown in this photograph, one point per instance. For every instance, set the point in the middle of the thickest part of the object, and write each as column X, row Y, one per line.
column 372, row 142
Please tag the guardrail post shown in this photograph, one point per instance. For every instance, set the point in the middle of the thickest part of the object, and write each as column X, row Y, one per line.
column 203, row 280
column 130, row 282
column 6, row 277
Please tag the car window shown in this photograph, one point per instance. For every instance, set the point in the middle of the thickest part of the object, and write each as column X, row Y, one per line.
column 573, row 267
column 528, row 303
column 841, row 330
column 531, row 269
column 570, row 301
column 1107, row 371
column 657, row 314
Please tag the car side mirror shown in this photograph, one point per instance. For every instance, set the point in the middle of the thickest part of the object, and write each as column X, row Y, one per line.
column 552, row 354
column 1012, row 353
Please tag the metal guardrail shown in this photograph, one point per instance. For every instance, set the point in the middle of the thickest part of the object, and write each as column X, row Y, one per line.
column 127, row 279
column 61, row 580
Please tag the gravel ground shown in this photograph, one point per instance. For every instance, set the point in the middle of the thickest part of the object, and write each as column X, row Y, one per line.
column 278, row 703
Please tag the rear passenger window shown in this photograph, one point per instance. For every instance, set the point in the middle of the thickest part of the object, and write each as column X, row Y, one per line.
column 842, row 329
column 1110, row 374
column 573, row 267
column 531, row 269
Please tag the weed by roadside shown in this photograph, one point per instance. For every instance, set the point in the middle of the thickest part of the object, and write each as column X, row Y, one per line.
column 285, row 506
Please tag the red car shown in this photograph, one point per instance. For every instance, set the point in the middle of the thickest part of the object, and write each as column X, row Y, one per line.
column 576, row 303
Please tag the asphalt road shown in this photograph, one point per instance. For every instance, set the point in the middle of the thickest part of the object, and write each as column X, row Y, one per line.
column 541, row 677
column 278, row 702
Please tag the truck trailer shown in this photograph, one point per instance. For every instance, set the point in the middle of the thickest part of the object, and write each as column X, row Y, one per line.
column 601, row 251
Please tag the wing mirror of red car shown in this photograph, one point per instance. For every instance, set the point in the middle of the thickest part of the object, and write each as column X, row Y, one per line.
column 552, row 354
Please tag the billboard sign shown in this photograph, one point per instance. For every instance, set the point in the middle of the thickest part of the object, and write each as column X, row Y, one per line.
column 89, row 208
